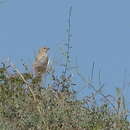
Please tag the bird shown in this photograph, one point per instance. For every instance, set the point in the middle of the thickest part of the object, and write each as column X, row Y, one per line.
column 41, row 62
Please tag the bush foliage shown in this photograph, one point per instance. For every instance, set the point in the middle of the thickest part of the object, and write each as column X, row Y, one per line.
column 27, row 104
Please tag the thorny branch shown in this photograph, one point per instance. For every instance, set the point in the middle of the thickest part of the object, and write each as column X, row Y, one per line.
column 69, row 35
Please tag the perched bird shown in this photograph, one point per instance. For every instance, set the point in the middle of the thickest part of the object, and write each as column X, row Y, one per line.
column 41, row 62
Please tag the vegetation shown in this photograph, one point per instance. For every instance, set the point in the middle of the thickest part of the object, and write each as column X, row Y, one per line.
column 26, row 104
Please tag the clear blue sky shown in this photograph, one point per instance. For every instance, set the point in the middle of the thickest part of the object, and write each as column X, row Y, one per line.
column 100, row 29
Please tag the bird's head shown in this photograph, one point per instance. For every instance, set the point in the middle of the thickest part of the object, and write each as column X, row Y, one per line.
column 43, row 50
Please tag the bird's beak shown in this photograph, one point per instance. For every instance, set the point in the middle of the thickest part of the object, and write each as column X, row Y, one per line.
column 48, row 48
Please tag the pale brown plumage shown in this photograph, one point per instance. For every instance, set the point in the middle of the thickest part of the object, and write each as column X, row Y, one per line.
column 41, row 62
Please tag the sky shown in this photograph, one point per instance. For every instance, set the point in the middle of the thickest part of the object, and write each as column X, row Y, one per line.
column 100, row 33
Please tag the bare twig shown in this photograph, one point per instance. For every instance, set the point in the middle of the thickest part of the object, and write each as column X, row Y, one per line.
column 90, row 85
column 68, row 41
column 99, row 77
column 93, row 66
